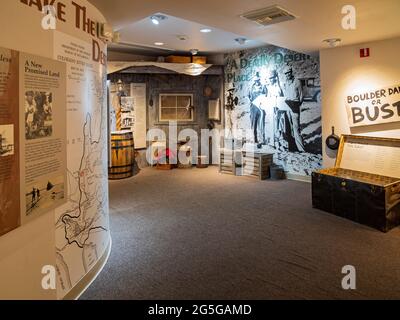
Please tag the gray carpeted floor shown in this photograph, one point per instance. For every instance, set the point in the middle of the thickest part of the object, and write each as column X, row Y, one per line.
column 196, row 234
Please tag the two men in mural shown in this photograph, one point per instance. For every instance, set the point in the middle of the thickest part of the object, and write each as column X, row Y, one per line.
column 275, row 111
column 257, row 112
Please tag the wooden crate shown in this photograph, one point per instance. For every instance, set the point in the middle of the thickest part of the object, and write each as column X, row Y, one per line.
column 178, row 59
column 199, row 59
column 227, row 164
column 364, row 185
column 257, row 165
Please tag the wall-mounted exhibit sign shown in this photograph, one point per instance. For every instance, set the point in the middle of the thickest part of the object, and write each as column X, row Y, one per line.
column 374, row 107
column 33, row 134
column 9, row 142
column 276, row 93
column 80, row 17
column 128, row 113
column 138, row 92
column 42, row 105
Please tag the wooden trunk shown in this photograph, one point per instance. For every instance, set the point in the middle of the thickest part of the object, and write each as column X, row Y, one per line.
column 364, row 185
column 122, row 155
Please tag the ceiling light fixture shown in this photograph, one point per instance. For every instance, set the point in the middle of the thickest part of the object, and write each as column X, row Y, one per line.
column 205, row 30
column 241, row 41
column 334, row 42
column 156, row 19
column 159, row 43
column 182, row 37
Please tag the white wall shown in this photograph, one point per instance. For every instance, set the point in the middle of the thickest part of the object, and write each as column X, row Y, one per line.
column 344, row 72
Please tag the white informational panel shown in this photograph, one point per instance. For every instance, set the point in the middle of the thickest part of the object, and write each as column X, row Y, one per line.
column 43, row 131
column 377, row 159
column 32, row 137
column 214, row 110
column 138, row 93
column 53, row 128
column 82, row 234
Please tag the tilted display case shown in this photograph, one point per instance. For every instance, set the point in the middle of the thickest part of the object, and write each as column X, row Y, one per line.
column 364, row 185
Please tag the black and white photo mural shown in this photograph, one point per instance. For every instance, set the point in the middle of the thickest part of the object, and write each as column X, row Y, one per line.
column 276, row 94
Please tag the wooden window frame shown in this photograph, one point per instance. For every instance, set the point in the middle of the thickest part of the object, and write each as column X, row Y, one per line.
column 161, row 120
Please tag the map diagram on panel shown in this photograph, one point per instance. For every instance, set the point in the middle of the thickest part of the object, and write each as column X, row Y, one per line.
column 82, row 226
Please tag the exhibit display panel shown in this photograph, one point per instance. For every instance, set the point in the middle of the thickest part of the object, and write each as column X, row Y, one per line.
column 364, row 185
column 9, row 141
column 53, row 147
column 275, row 93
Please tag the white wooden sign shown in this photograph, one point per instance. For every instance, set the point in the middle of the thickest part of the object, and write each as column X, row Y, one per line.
column 374, row 107
column 138, row 92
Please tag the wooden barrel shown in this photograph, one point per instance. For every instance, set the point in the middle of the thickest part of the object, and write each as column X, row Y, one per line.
column 122, row 155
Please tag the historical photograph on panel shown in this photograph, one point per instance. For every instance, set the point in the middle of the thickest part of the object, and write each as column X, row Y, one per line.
column 6, row 140
column 276, row 93
column 127, row 104
column 38, row 114
column 127, row 113
column 44, row 194
column 127, row 121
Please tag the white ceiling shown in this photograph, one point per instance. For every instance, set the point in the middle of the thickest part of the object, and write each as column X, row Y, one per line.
column 317, row 20
column 145, row 33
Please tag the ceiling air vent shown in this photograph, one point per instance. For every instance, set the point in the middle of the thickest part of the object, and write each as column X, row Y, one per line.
column 268, row 16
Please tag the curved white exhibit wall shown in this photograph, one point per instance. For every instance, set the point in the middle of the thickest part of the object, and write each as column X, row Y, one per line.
column 72, row 239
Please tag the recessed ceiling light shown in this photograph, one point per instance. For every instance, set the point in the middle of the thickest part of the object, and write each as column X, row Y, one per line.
column 205, row 30
column 159, row 43
column 182, row 37
column 241, row 41
column 334, row 42
column 156, row 19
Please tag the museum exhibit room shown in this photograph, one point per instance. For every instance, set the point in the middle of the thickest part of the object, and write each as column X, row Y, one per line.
column 166, row 150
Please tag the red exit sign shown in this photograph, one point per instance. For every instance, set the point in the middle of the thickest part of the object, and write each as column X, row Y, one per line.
column 364, row 52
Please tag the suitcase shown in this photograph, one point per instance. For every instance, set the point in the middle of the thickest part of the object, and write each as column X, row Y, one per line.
column 364, row 185
column 178, row 59
column 199, row 59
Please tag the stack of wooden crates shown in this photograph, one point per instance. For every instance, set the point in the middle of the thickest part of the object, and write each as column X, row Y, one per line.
column 227, row 162
column 244, row 163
